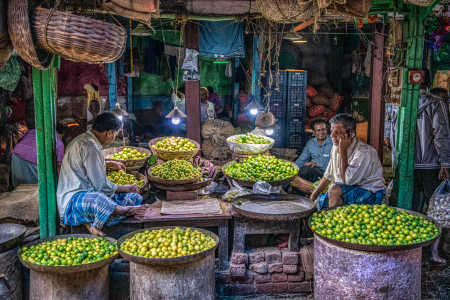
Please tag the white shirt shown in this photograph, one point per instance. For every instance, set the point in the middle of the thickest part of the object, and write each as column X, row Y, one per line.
column 364, row 167
column 83, row 169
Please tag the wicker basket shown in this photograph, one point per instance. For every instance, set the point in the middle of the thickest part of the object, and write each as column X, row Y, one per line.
column 287, row 11
column 132, row 164
column 419, row 2
column 171, row 155
column 21, row 38
column 145, row 6
column 78, row 38
column 170, row 182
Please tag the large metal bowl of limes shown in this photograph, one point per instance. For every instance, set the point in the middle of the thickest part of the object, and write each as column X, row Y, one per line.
column 170, row 148
column 151, row 250
column 133, row 158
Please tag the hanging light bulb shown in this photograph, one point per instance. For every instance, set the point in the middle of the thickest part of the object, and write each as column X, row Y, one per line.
column 253, row 106
column 269, row 131
column 176, row 115
column 119, row 112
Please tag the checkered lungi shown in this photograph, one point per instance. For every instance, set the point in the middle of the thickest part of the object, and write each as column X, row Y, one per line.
column 96, row 208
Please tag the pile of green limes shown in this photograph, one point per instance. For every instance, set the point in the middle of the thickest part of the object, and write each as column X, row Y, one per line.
column 176, row 169
column 252, row 139
column 261, row 167
column 165, row 243
column 175, row 144
column 373, row 225
column 128, row 154
column 122, row 178
column 69, row 251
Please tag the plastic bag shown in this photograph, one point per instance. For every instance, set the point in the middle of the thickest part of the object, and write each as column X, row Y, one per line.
column 265, row 188
column 439, row 208
column 235, row 191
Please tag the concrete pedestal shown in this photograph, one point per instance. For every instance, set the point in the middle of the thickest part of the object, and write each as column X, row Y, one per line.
column 341, row 273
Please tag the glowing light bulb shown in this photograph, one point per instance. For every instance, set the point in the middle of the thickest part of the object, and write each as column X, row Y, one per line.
column 269, row 131
column 120, row 118
column 176, row 121
column 254, row 111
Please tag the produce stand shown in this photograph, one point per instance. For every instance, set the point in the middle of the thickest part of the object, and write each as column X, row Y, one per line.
column 185, row 277
column 79, row 282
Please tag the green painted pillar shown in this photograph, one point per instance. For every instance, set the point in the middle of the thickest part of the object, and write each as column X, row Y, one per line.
column 407, row 116
column 44, row 86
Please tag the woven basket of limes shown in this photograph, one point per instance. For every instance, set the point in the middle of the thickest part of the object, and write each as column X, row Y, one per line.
column 162, row 246
column 249, row 143
column 375, row 228
column 266, row 168
column 133, row 158
column 126, row 178
column 68, row 253
column 175, row 172
column 172, row 147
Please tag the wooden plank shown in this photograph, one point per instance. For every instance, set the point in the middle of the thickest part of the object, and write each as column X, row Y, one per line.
column 193, row 125
column 376, row 131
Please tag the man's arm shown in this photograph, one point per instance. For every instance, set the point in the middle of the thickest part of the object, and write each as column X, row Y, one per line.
column 344, row 144
column 304, row 157
column 95, row 169
column 324, row 182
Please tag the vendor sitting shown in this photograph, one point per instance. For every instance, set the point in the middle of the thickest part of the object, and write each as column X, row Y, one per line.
column 85, row 195
column 354, row 171
column 315, row 156
column 207, row 110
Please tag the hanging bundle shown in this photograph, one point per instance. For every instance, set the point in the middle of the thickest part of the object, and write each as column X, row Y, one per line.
column 78, row 38
column 287, row 11
column 138, row 10
column 419, row 2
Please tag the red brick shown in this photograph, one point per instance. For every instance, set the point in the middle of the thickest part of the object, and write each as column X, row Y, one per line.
column 299, row 276
column 279, row 277
column 256, row 256
column 271, row 288
column 289, row 258
column 260, row 268
column 290, row 269
column 299, row 287
column 242, row 289
column 275, row 268
column 248, row 278
column 273, row 256
column 261, row 278
column 237, row 271
column 239, row 258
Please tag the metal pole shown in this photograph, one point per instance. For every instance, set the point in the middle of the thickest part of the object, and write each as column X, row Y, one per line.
column 111, row 71
column 40, row 152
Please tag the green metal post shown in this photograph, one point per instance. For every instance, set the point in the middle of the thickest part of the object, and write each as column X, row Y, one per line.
column 40, row 149
column 406, row 135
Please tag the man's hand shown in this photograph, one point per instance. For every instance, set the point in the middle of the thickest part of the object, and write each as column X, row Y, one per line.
column 344, row 144
column 310, row 164
column 115, row 165
column 314, row 195
column 132, row 188
column 444, row 174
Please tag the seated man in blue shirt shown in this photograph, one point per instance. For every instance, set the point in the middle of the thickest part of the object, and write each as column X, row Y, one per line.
column 315, row 156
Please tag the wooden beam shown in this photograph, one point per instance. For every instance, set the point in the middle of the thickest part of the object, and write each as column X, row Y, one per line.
column 376, row 126
column 192, row 87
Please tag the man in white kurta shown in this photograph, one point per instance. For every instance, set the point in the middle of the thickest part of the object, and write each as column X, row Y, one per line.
column 354, row 171
column 85, row 195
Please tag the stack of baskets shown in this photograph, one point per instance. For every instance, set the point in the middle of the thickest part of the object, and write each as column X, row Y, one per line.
column 171, row 155
column 131, row 164
column 44, row 32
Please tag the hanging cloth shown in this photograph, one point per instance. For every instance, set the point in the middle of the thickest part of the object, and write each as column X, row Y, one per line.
column 224, row 38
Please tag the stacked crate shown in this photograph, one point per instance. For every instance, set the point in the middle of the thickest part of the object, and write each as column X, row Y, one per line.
column 288, row 104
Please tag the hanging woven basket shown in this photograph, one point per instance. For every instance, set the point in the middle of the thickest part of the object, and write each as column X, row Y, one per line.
column 78, row 38
column 287, row 11
column 419, row 2
column 21, row 38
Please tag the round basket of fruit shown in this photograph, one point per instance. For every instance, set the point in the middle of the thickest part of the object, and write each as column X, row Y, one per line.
column 133, row 158
column 121, row 177
column 167, row 245
column 249, row 143
column 175, row 172
column 375, row 228
column 266, row 168
column 68, row 253
column 172, row 147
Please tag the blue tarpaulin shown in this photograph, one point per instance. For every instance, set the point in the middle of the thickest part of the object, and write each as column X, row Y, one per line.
column 224, row 38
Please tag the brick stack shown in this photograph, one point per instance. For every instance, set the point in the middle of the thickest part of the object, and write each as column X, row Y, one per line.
column 265, row 271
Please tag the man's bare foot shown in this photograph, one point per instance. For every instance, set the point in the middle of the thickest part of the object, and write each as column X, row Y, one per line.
column 93, row 230
column 436, row 258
